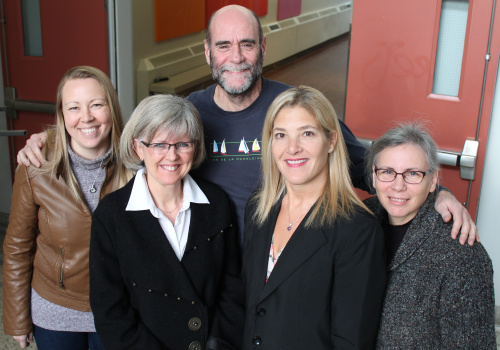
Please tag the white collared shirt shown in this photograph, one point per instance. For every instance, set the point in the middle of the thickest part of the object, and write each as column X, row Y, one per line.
column 177, row 234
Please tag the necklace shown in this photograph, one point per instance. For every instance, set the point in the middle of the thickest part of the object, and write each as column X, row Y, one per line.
column 290, row 223
column 168, row 212
column 92, row 188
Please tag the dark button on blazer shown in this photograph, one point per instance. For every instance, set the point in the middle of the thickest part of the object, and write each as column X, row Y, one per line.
column 143, row 297
column 325, row 291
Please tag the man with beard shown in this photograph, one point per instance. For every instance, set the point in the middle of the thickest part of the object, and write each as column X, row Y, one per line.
column 233, row 112
column 233, row 109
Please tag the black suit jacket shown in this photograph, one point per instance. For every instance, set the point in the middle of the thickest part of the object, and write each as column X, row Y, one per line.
column 325, row 291
column 143, row 297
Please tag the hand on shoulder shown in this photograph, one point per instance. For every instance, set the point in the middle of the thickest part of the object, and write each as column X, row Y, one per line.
column 31, row 154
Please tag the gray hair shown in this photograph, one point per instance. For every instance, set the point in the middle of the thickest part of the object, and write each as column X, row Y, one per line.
column 157, row 114
column 414, row 133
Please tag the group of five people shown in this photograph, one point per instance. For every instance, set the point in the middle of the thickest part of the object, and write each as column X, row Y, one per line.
column 162, row 250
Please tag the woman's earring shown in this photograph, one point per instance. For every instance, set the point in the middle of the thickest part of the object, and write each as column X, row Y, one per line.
column 330, row 150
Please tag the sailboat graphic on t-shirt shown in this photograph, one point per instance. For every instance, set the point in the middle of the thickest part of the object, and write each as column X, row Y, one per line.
column 223, row 148
column 243, row 147
column 216, row 149
column 255, row 146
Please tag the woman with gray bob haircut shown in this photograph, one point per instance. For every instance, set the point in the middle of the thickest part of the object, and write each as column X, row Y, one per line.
column 160, row 113
column 406, row 133
column 164, row 255
column 439, row 293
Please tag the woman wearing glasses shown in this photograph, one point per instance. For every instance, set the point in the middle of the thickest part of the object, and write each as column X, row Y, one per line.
column 164, row 256
column 439, row 293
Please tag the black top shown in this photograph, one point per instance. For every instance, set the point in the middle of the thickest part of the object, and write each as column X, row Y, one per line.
column 394, row 235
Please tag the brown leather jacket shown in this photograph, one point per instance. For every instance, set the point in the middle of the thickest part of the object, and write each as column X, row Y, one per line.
column 46, row 247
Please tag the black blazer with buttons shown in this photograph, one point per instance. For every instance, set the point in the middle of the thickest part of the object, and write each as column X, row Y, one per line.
column 143, row 297
column 325, row 291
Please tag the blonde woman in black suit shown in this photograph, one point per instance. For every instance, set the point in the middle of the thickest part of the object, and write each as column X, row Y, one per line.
column 313, row 259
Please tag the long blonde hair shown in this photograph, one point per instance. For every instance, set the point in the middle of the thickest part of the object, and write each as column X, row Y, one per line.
column 338, row 197
column 58, row 138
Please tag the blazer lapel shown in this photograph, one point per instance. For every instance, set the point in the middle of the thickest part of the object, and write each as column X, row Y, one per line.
column 147, row 225
column 205, row 222
column 420, row 230
column 301, row 246
column 261, row 249
column 163, row 257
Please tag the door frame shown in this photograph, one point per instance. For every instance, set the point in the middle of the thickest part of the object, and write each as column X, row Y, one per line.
column 5, row 164
column 121, row 53
column 488, row 190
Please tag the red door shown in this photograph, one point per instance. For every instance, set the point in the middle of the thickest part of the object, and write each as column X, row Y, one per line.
column 72, row 33
column 392, row 78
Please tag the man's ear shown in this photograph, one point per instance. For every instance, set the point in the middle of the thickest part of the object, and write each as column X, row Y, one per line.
column 264, row 46
column 207, row 51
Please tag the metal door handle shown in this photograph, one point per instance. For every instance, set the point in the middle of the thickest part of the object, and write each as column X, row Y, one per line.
column 465, row 160
column 12, row 104
column 468, row 159
column 12, row 132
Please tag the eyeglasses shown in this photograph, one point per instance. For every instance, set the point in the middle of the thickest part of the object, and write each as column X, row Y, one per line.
column 164, row 147
column 410, row 176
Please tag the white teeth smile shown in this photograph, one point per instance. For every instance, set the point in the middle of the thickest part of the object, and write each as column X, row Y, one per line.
column 296, row 161
column 397, row 199
column 235, row 68
column 170, row 168
column 88, row 131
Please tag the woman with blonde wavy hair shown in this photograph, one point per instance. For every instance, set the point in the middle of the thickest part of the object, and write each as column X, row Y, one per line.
column 46, row 249
column 313, row 259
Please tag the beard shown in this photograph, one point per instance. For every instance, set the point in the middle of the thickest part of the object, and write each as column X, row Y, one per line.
column 251, row 78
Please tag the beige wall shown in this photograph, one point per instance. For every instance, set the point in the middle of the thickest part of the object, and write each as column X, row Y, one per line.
column 144, row 27
column 182, row 59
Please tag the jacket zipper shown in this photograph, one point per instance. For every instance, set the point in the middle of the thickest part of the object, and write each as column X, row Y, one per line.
column 61, row 275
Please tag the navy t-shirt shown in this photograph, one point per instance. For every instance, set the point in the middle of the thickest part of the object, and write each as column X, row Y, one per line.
column 233, row 141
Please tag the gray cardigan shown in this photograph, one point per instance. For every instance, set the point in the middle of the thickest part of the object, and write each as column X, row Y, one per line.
column 439, row 293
